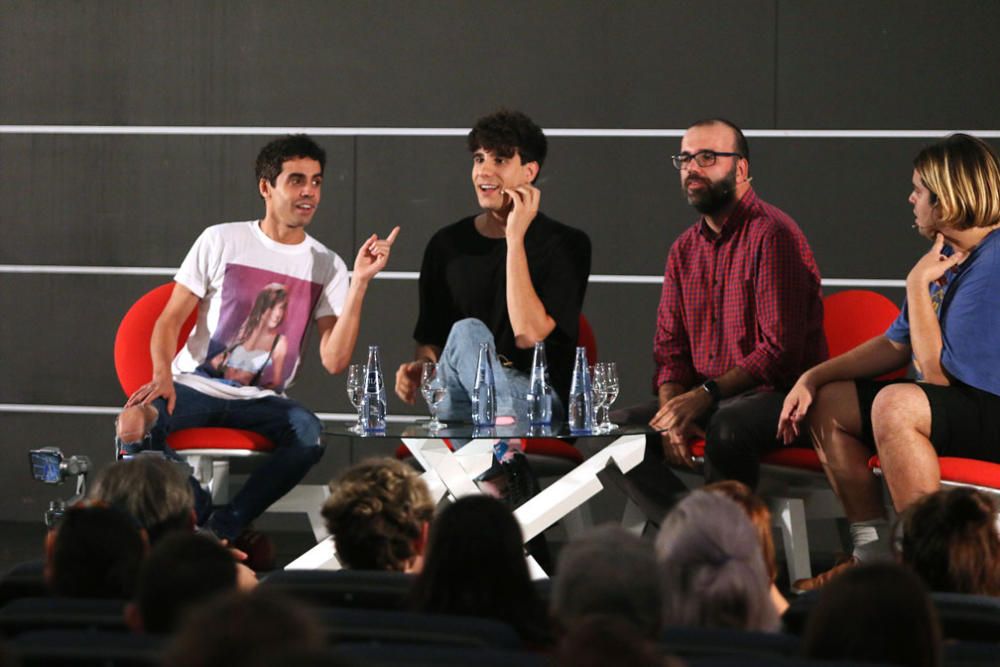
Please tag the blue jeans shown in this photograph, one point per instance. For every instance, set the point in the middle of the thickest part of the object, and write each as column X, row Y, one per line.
column 459, row 360
column 294, row 430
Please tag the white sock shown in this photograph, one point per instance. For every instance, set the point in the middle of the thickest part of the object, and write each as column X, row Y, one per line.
column 871, row 540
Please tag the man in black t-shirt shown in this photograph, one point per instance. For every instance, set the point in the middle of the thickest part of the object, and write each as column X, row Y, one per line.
column 509, row 276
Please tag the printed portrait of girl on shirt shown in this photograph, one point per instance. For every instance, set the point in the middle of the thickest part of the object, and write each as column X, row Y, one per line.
column 259, row 345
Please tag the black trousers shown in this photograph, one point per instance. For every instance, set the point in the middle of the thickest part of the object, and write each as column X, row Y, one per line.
column 737, row 433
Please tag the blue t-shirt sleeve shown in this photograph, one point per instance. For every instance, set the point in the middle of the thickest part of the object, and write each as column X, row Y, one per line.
column 899, row 330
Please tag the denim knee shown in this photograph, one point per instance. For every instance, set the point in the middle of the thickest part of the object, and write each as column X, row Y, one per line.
column 306, row 429
column 470, row 329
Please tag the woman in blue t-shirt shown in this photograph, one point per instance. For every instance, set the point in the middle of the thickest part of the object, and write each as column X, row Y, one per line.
column 950, row 328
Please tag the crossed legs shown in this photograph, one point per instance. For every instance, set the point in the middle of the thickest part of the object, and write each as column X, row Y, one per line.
column 901, row 425
column 294, row 430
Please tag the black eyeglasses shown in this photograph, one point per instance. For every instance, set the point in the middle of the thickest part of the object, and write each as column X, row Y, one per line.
column 704, row 158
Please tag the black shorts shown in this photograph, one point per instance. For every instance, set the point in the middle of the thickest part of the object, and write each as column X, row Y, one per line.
column 965, row 421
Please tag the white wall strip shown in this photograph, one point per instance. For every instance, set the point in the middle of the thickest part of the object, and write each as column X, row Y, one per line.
column 597, row 278
column 88, row 270
column 28, row 408
column 58, row 409
column 220, row 130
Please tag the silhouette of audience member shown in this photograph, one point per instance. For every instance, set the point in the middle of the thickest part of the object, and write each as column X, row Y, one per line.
column 235, row 628
column 378, row 513
column 712, row 568
column 874, row 613
column 611, row 573
column 950, row 540
column 154, row 490
column 760, row 516
column 180, row 572
column 597, row 641
column 475, row 566
column 94, row 552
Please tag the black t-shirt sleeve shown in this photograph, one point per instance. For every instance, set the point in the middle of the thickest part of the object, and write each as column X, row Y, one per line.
column 436, row 311
column 565, row 282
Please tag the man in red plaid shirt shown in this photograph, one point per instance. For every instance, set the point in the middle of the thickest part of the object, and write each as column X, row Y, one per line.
column 740, row 316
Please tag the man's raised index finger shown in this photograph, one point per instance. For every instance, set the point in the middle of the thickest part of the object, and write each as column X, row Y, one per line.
column 392, row 235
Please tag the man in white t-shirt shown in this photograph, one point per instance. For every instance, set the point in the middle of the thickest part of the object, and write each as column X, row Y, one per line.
column 258, row 286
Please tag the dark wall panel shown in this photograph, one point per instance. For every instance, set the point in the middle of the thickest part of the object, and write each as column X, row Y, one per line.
column 887, row 65
column 142, row 200
column 386, row 62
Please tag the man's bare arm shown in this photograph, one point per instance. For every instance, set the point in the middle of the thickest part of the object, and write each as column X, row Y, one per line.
column 163, row 348
column 528, row 318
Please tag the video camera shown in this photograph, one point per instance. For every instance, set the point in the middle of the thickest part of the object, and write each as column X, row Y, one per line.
column 50, row 466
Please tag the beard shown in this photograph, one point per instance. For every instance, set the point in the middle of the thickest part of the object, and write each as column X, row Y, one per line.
column 715, row 196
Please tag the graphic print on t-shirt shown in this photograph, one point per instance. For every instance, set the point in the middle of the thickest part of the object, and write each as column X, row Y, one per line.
column 262, row 322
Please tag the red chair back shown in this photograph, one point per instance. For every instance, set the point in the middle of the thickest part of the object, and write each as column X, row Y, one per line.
column 134, row 367
column 585, row 337
column 852, row 317
column 133, row 364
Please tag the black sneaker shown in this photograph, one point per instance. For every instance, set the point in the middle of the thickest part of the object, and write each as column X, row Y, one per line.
column 522, row 485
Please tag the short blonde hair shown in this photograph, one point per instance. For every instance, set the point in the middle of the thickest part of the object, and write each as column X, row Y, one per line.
column 963, row 173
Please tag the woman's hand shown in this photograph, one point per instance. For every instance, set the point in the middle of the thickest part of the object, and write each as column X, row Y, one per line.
column 794, row 410
column 934, row 264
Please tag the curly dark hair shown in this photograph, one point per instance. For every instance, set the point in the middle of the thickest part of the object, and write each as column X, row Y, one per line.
column 277, row 152
column 376, row 511
column 508, row 132
column 950, row 539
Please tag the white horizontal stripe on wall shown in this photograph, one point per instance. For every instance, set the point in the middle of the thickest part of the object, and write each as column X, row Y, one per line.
column 597, row 278
column 28, row 408
column 220, row 130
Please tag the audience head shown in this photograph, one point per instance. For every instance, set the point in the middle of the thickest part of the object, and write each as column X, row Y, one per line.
column 94, row 552
column 378, row 512
column 950, row 540
column 611, row 573
column 712, row 568
column 598, row 640
column 152, row 489
column 962, row 173
column 273, row 156
column 475, row 566
column 507, row 133
column 874, row 613
column 235, row 628
column 760, row 516
column 180, row 572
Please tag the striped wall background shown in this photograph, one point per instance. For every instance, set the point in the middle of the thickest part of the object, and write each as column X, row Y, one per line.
column 126, row 128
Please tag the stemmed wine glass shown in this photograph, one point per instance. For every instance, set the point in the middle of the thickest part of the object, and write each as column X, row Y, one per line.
column 355, row 391
column 610, row 386
column 597, row 392
column 433, row 390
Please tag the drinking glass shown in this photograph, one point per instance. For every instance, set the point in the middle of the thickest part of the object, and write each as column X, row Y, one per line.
column 433, row 389
column 355, row 390
column 610, row 386
column 597, row 392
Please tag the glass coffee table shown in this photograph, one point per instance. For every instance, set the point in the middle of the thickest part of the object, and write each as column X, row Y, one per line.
column 452, row 474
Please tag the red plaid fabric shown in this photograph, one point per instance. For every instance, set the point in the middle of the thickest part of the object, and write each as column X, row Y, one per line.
column 750, row 297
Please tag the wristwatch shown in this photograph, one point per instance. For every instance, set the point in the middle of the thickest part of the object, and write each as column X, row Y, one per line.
column 712, row 388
